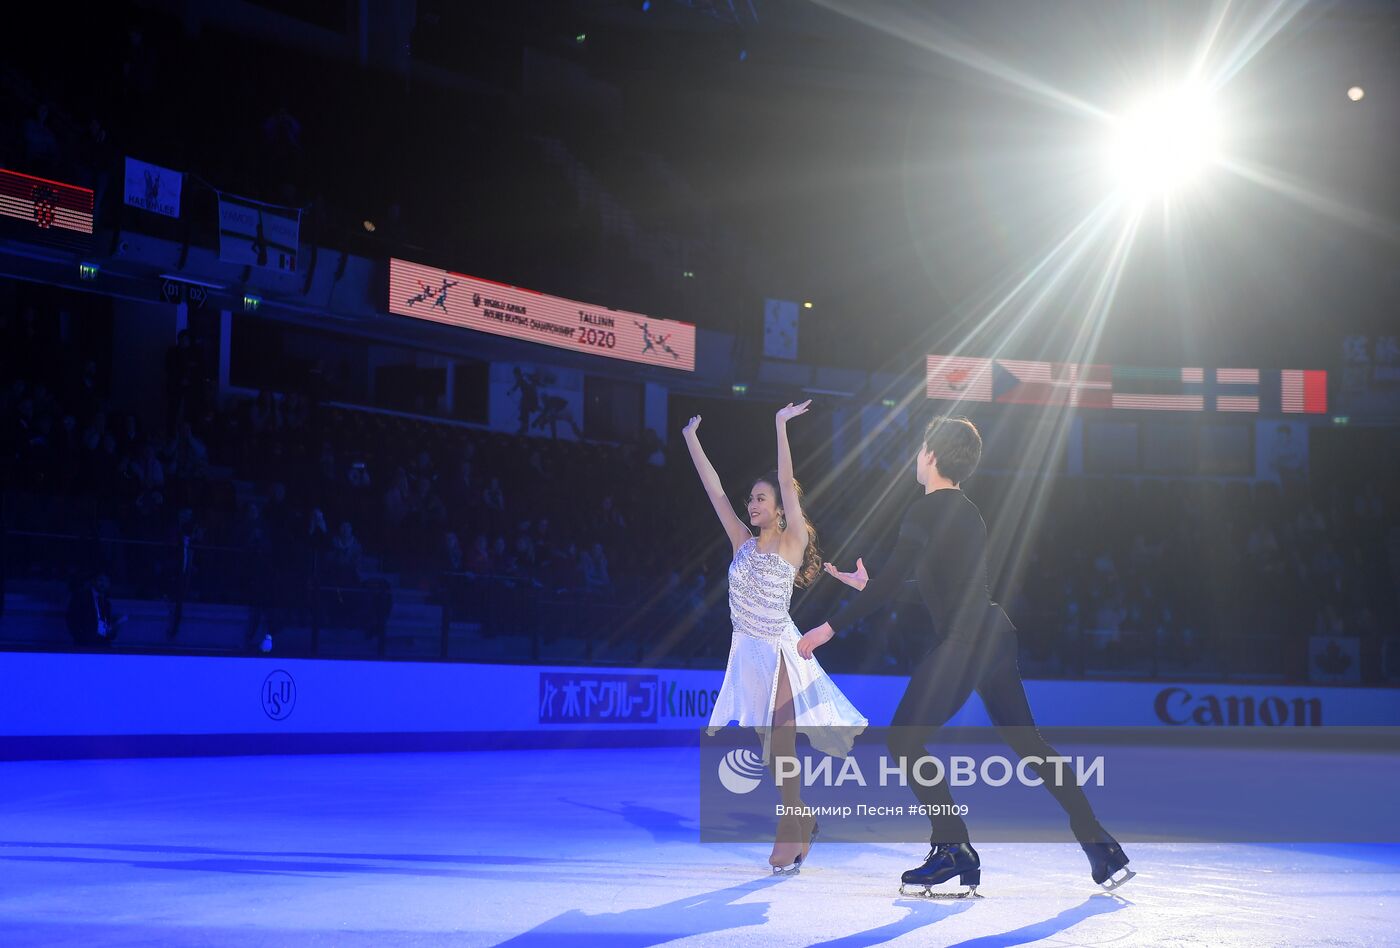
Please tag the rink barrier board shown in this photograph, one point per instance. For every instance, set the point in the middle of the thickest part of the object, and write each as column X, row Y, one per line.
column 117, row 746
column 86, row 704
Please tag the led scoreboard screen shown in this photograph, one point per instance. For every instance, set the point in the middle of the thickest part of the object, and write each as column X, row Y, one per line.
column 473, row 303
column 1023, row 382
column 48, row 211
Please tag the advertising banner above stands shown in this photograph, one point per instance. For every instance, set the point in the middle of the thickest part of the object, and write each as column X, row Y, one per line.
column 473, row 303
column 153, row 188
column 255, row 234
column 1370, row 376
column 1027, row 382
column 45, row 211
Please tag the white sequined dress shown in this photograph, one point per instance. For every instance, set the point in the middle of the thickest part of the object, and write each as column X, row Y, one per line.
column 760, row 591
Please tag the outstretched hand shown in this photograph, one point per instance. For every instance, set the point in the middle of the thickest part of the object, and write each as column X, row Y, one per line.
column 814, row 639
column 690, row 428
column 792, row 411
column 856, row 579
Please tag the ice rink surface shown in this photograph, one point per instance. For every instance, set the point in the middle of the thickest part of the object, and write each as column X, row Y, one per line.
column 581, row 847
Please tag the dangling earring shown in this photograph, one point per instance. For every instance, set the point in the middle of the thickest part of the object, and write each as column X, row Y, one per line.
column 782, row 521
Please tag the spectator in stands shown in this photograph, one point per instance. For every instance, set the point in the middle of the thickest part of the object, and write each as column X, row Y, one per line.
column 454, row 557
column 427, row 505
column 128, row 431
column 594, row 565
column 317, row 537
column 277, row 512
column 281, row 133
column 479, row 557
column 314, row 544
column 397, row 501
column 493, row 497
column 562, row 571
column 99, row 472
column 97, row 158
column 183, row 380
column 40, row 143
column 189, row 463
column 610, row 522
column 141, row 479
column 259, row 569
column 356, row 499
column 296, row 412
column 37, row 452
column 344, row 557
column 523, row 557
column 67, row 453
column 85, row 396
column 422, row 467
column 139, row 74
column 94, row 430
column 653, row 449
column 90, row 618
column 502, row 563
column 462, row 493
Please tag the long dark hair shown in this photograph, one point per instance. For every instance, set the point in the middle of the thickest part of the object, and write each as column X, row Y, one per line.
column 811, row 566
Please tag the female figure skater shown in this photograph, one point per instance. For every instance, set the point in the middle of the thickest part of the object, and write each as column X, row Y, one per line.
column 767, row 686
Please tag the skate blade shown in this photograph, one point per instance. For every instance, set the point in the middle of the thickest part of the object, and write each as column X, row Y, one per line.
column 1113, row 883
column 928, row 893
column 796, row 866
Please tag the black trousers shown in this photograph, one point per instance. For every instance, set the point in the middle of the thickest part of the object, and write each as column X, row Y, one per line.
column 940, row 685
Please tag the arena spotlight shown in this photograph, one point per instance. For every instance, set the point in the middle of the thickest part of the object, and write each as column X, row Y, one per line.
column 1356, row 93
column 1163, row 143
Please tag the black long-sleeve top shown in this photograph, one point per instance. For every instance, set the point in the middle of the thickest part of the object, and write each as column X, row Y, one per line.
column 943, row 543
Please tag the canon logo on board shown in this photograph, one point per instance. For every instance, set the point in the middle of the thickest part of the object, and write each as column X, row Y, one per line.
column 1178, row 706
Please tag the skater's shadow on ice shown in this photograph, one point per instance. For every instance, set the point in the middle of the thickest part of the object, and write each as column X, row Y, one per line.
column 467, row 858
column 1386, row 854
column 663, row 825
column 1100, row 904
column 922, row 912
column 288, row 863
column 699, row 914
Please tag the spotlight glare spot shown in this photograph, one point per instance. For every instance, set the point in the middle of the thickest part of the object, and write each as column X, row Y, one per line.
column 1356, row 93
column 1164, row 143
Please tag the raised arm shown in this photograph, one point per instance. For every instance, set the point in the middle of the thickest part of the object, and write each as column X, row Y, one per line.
column 796, row 534
column 734, row 528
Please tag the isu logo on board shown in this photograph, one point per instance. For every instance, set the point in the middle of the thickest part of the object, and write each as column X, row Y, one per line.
column 279, row 695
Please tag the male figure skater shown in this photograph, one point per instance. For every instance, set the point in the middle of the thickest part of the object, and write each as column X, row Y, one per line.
column 943, row 541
